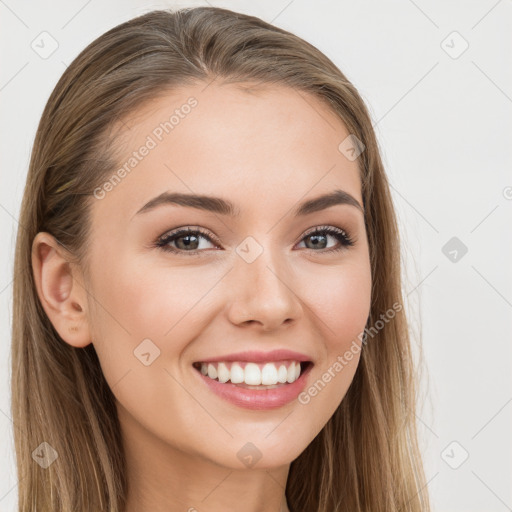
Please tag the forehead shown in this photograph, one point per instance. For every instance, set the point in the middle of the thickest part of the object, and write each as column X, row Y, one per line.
column 258, row 146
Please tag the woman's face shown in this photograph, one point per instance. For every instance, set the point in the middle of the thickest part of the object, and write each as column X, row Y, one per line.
column 254, row 286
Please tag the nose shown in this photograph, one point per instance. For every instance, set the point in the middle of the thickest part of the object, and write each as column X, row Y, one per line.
column 263, row 294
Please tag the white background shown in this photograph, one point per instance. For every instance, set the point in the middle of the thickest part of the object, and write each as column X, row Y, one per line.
column 444, row 125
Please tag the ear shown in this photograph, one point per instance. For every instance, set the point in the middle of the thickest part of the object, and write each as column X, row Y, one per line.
column 60, row 290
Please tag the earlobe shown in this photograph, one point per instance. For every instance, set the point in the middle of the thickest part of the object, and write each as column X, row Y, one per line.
column 59, row 289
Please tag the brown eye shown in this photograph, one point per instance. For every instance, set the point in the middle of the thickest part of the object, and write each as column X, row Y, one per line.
column 186, row 240
column 319, row 238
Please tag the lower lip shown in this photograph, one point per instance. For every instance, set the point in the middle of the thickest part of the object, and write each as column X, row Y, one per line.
column 259, row 399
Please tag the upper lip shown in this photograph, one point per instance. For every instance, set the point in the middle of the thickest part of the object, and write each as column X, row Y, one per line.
column 259, row 357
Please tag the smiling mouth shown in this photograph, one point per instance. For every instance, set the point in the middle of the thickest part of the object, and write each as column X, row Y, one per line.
column 250, row 375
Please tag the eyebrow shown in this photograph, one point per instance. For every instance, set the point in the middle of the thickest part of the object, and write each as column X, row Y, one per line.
column 225, row 207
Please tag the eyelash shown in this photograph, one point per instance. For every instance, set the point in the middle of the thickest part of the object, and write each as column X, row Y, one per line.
column 341, row 235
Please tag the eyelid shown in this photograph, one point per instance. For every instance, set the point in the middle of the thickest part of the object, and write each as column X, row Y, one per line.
column 183, row 230
column 324, row 227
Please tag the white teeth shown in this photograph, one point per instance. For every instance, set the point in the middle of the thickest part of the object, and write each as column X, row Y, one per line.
column 223, row 373
column 269, row 374
column 212, row 371
column 253, row 374
column 291, row 373
column 237, row 374
column 282, row 374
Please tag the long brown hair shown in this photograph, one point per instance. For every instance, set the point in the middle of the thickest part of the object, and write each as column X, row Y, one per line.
column 366, row 458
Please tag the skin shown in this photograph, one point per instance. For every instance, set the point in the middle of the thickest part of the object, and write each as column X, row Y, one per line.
column 267, row 150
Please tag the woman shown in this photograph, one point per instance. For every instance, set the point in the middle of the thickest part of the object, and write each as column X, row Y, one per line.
column 207, row 298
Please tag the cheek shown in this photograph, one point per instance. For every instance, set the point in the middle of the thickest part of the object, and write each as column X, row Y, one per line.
column 341, row 312
column 340, row 299
column 145, row 300
column 139, row 310
column 339, row 305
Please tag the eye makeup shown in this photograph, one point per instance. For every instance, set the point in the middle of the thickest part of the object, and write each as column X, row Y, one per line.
column 193, row 234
